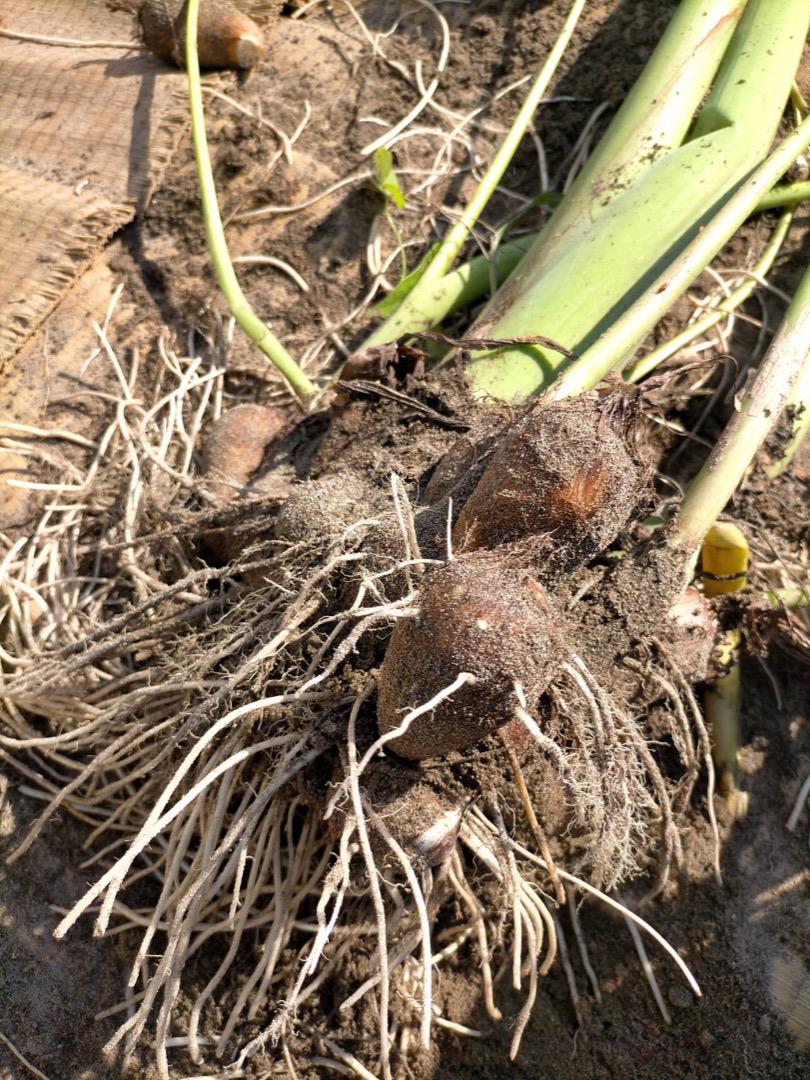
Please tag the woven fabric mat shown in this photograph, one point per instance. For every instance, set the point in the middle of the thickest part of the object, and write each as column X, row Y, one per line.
column 84, row 135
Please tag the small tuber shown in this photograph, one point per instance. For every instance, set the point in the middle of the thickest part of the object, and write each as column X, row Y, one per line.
column 226, row 37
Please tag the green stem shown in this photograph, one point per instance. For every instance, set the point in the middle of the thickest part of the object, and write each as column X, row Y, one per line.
column 785, row 195
column 621, row 240
column 648, row 363
column 654, row 120
column 240, row 308
column 630, row 328
column 415, row 312
column 789, row 599
column 759, row 412
column 471, row 281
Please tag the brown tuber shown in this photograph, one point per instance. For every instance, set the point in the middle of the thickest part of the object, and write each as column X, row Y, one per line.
column 226, row 37
column 567, row 470
column 232, row 455
column 482, row 614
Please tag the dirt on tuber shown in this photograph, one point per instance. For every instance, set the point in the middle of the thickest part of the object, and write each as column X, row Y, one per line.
column 569, row 470
column 483, row 614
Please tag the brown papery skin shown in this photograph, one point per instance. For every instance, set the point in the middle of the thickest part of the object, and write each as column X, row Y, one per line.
column 226, row 37
column 566, row 469
column 482, row 614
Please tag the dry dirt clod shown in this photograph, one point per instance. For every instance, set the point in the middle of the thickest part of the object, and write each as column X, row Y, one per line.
column 692, row 632
column 567, row 469
column 319, row 511
column 226, row 37
column 481, row 614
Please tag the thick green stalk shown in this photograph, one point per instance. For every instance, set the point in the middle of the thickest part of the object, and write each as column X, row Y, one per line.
column 759, row 412
column 240, row 308
column 415, row 312
column 654, row 119
column 574, row 290
column 472, row 280
column 630, row 328
column 786, row 195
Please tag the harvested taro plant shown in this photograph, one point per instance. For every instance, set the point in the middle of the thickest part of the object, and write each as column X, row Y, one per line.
column 383, row 725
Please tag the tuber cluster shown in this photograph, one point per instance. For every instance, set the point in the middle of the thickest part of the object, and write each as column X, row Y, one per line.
column 558, row 489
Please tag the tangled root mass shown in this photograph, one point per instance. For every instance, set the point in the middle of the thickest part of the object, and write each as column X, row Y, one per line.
column 230, row 734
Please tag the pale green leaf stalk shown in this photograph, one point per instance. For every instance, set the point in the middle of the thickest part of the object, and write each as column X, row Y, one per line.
column 799, row 404
column 240, row 308
column 473, row 279
column 611, row 349
column 786, row 195
column 391, row 302
column 758, row 413
column 653, row 121
column 702, row 325
column 637, row 208
column 415, row 312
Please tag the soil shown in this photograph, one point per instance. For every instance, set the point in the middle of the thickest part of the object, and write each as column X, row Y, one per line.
column 745, row 940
